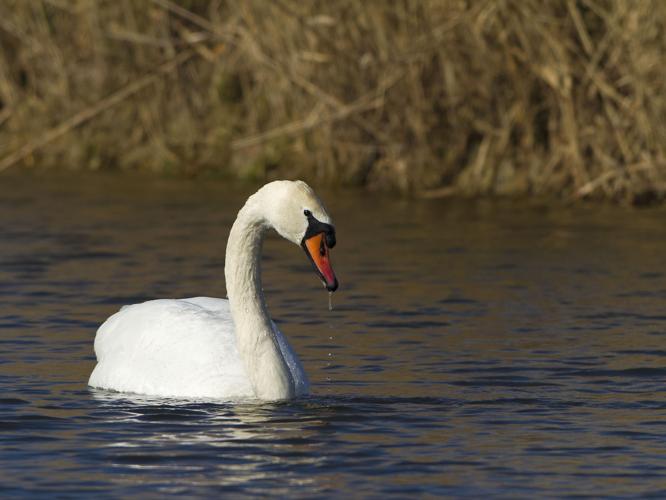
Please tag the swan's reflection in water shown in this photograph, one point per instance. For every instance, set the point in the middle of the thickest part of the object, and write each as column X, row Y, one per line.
column 320, row 443
column 225, row 443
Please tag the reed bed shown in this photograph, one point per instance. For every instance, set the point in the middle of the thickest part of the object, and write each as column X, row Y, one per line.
column 430, row 98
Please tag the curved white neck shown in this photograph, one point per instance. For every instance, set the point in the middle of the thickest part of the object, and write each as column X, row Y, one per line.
column 258, row 347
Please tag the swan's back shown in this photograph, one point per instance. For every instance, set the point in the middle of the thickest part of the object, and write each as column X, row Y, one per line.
column 183, row 348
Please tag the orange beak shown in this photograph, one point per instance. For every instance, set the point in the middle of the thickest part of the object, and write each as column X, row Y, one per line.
column 317, row 250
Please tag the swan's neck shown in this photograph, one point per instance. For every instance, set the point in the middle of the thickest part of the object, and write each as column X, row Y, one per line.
column 258, row 347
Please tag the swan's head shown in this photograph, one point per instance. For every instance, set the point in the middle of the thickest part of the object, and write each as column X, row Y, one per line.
column 298, row 215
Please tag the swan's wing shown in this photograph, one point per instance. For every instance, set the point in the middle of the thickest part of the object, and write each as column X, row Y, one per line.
column 171, row 348
column 218, row 306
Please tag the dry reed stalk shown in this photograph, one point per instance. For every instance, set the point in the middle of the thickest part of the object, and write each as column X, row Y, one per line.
column 90, row 112
column 514, row 97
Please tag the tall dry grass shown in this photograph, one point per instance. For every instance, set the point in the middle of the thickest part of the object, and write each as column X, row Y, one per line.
column 432, row 97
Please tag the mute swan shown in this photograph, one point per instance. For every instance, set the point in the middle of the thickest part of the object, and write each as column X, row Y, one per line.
column 214, row 348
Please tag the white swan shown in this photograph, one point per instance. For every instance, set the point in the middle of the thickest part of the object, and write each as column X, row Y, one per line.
column 214, row 348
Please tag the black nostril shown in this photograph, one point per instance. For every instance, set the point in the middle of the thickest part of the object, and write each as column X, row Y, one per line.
column 330, row 239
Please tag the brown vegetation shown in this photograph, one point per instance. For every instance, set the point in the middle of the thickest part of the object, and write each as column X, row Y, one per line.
column 432, row 97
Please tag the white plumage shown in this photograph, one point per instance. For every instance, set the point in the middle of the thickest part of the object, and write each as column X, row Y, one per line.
column 186, row 347
column 204, row 347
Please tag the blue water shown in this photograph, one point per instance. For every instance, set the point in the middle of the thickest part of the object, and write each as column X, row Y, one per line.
column 476, row 348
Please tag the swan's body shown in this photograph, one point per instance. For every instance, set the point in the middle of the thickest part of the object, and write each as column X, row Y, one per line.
column 186, row 347
column 214, row 348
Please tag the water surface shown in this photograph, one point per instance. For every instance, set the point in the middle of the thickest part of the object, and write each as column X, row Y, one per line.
column 475, row 348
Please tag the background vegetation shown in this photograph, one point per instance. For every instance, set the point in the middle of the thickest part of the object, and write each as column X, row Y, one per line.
column 431, row 97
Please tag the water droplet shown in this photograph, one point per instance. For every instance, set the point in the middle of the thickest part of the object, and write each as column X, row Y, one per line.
column 330, row 301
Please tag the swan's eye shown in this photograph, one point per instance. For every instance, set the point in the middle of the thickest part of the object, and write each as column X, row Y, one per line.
column 307, row 213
